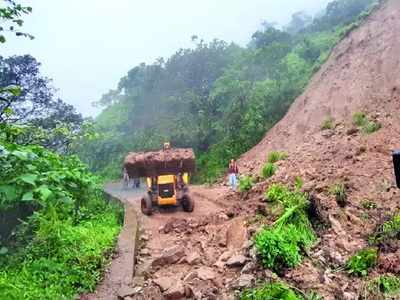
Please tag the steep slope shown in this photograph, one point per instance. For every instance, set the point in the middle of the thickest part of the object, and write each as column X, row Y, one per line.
column 361, row 74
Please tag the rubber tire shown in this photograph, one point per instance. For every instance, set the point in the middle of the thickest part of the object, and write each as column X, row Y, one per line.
column 187, row 203
column 146, row 205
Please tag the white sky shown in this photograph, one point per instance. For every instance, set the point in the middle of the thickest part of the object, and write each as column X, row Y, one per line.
column 86, row 46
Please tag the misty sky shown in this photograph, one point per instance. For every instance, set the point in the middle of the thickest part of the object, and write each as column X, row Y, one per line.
column 86, row 46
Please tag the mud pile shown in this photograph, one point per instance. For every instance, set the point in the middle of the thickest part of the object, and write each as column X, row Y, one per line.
column 361, row 77
column 164, row 162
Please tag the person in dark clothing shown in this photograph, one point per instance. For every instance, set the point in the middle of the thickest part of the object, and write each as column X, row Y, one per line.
column 233, row 172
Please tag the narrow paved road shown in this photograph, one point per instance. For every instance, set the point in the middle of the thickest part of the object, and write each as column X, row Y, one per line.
column 196, row 231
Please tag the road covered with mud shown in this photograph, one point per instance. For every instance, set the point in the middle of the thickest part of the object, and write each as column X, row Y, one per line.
column 199, row 255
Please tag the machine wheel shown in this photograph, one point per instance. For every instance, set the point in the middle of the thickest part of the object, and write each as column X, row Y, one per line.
column 146, row 205
column 187, row 203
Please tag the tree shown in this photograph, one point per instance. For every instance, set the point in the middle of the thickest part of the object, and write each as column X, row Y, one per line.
column 268, row 36
column 300, row 20
column 30, row 96
column 10, row 19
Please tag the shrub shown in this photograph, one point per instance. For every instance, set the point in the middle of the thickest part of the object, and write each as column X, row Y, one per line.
column 245, row 184
column 371, row 127
column 360, row 119
column 339, row 191
column 364, row 260
column 367, row 204
column 268, row 170
column 382, row 287
column 298, row 183
column 280, row 246
column 389, row 230
column 327, row 124
column 276, row 192
column 368, row 126
column 276, row 156
column 271, row 291
column 61, row 249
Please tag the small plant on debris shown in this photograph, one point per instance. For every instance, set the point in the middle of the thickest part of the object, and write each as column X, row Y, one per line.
column 382, row 287
column 271, row 291
column 281, row 245
column 245, row 184
column 278, row 290
column 327, row 124
column 360, row 263
column 389, row 230
column 368, row 204
column 298, row 183
column 276, row 156
column 339, row 191
column 268, row 170
column 368, row 126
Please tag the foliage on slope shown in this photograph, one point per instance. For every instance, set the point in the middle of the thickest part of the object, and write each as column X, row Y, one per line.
column 218, row 98
column 57, row 251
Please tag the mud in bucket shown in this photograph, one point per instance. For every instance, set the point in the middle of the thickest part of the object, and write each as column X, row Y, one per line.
column 396, row 163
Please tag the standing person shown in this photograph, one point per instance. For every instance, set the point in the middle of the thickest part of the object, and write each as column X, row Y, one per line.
column 233, row 172
column 136, row 182
column 125, row 178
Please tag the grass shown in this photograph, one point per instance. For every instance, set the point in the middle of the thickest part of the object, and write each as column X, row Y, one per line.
column 268, row 170
column 389, row 230
column 340, row 193
column 245, row 184
column 61, row 262
column 367, row 126
column 276, row 156
column 327, row 124
column 281, row 245
column 382, row 287
column 271, row 291
column 362, row 262
column 368, row 204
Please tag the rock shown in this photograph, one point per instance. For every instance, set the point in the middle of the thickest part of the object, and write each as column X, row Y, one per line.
column 236, row 234
column 236, row 261
column 193, row 258
column 225, row 256
column 177, row 291
column 249, row 268
column 206, row 273
column 328, row 133
column 352, row 131
column 190, row 276
column 169, row 256
column 145, row 252
column 245, row 281
column 165, row 282
column 144, row 237
column 126, row 291
column 349, row 296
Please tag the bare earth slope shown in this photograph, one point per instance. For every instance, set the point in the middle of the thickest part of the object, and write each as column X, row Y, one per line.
column 361, row 74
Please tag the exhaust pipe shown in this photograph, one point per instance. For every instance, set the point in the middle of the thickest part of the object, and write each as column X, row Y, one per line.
column 396, row 163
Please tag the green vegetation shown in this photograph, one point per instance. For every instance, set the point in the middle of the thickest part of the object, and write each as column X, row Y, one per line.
column 361, row 120
column 364, row 260
column 328, row 124
column 245, row 184
column 339, row 191
column 389, row 230
column 271, row 291
column 368, row 204
column 275, row 291
column 268, row 170
column 298, row 183
column 276, row 156
column 59, row 250
column 280, row 246
column 382, row 287
column 216, row 97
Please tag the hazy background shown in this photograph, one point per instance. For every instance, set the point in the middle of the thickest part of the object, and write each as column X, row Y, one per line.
column 87, row 45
